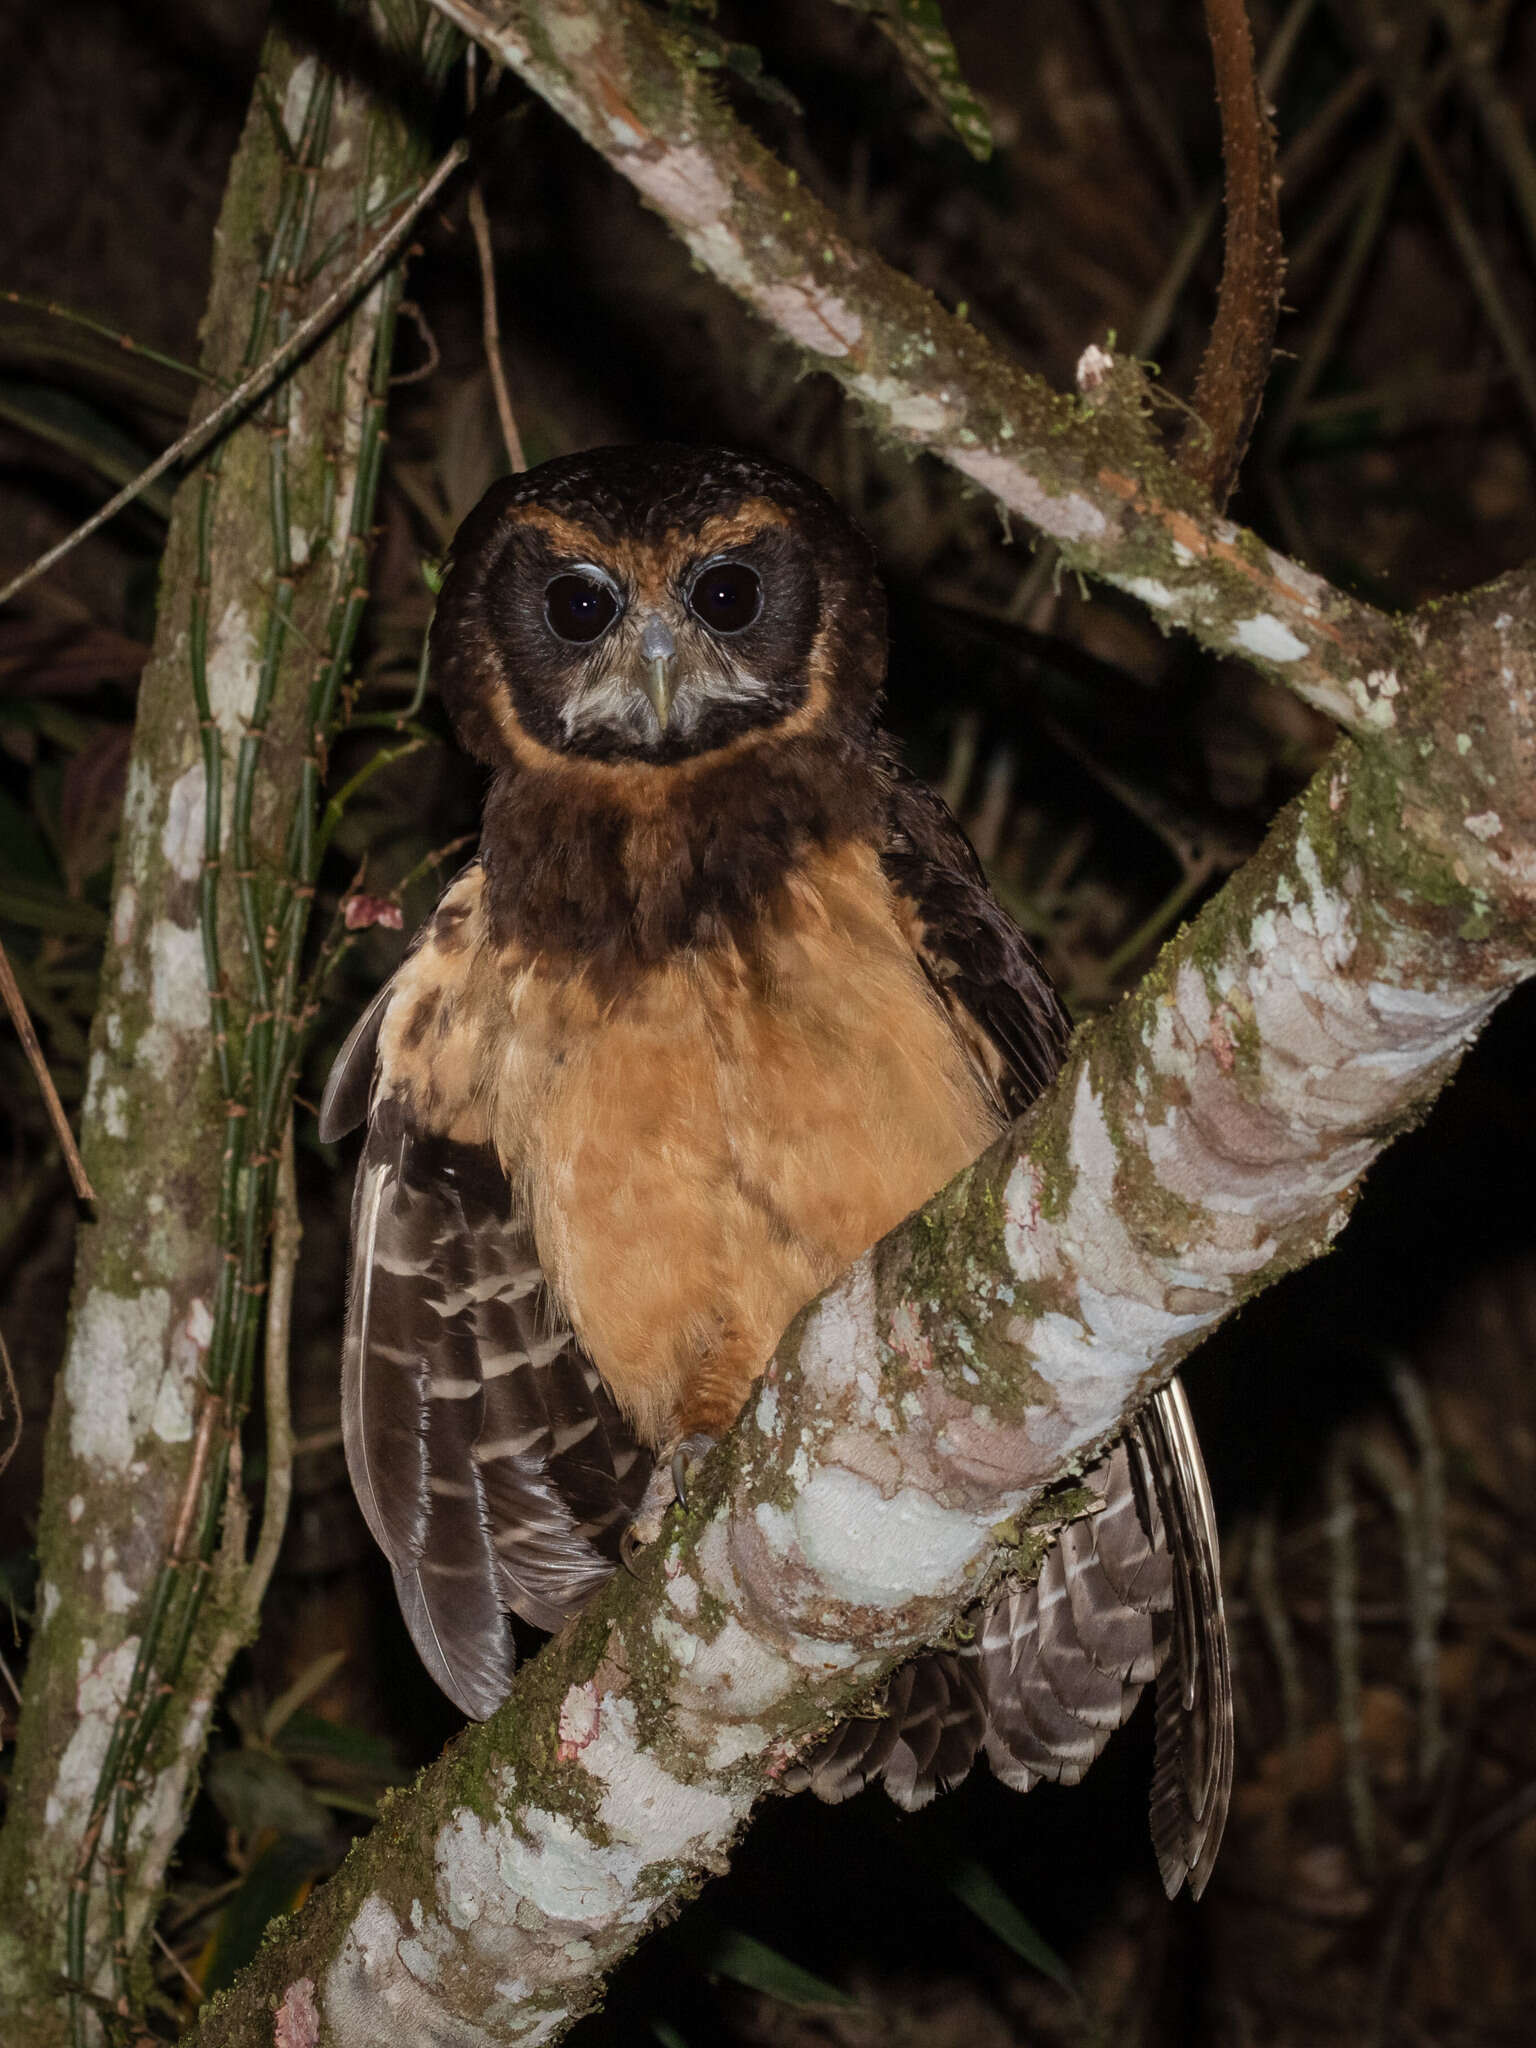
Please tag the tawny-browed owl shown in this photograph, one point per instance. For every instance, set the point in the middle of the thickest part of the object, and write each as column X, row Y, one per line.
column 723, row 998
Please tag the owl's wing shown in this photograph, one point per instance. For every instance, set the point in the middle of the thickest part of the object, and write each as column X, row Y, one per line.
column 1056, row 1666
column 488, row 1458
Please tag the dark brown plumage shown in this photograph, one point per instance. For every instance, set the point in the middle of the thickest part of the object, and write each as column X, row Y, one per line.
column 724, row 998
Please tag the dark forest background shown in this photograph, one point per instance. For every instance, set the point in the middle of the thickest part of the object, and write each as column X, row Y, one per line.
column 1370, row 1424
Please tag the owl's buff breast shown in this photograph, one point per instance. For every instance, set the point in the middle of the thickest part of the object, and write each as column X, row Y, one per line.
column 704, row 1151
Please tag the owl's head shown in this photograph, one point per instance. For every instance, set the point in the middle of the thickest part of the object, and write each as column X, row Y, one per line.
column 654, row 605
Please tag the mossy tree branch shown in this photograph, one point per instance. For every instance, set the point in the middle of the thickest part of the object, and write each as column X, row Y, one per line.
column 1086, row 469
column 1205, row 1138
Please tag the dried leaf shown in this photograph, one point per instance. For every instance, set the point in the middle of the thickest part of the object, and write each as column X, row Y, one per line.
column 359, row 912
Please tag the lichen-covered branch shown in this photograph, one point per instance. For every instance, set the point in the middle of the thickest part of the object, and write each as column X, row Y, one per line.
column 1203, row 1139
column 141, row 1604
column 1085, row 469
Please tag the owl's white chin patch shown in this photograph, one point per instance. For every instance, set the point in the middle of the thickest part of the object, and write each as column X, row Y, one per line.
column 613, row 707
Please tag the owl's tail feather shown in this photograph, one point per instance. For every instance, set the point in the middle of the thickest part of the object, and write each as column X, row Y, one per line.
column 1192, row 1777
column 1057, row 1666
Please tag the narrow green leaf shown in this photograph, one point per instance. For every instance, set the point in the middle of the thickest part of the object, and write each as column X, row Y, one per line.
column 57, row 344
column 308, row 1737
column 728, row 1952
column 81, row 430
column 271, row 1886
column 928, row 56
column 975, row 1886
column 50, row 910
column 257, row 1793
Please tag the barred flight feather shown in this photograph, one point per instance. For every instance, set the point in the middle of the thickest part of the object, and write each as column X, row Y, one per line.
column 490, row 1462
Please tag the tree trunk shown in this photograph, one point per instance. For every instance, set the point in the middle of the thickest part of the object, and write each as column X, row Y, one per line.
column 141, row 1542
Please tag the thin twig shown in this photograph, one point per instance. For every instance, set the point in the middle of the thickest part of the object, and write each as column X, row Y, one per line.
column 490, row 324
column 1148, row 105
column 178, row 1965
column 287, row 1235
column 34, row 1052
column 1270, row 1609
column 1429, row 1593
column 114, row 335
column 261, row 378
column 1343, row 1597
column 13, row 1395
column 1475, row 38
column 201, row 1445
column 1157, row 316
column 1235, row 367
column 1481, row 269
column 1158, row 312
column 490, row 327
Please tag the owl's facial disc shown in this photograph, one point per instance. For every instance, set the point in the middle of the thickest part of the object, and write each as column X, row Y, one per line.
column 656, row 660
column 657, row 605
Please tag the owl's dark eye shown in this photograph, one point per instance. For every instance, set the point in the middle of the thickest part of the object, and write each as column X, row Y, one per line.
column 726, row 596
column 579, row 607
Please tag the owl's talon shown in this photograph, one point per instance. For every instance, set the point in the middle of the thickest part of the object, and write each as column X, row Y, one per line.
column 686, row 1459
column 667, row 1487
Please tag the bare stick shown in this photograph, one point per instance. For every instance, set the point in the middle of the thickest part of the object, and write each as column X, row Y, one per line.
column 287, row 1234
column 490, row 324
column 261, row 378
column 34, row 1052
column 13, row 1395
column 490, row 327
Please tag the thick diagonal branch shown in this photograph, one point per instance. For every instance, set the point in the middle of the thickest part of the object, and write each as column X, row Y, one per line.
column 1090, row 474
column 1205, row 1138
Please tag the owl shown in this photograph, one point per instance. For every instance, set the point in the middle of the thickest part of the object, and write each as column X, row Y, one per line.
column 722, row 999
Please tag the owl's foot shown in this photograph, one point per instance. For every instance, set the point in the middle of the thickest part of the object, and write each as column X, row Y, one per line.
column 668, row 1485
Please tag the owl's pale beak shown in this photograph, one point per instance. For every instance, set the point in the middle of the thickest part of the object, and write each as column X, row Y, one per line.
column 658, row 650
